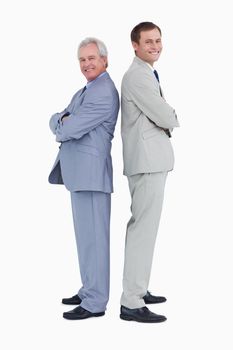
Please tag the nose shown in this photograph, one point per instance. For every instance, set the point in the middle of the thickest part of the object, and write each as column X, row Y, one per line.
column 153, row 46
column 85, row 64
column 158, row 46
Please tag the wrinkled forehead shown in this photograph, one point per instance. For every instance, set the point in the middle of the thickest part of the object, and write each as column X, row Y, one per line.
column 89, row 50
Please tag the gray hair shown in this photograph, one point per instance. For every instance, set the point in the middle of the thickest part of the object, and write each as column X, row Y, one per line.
column 100, row 45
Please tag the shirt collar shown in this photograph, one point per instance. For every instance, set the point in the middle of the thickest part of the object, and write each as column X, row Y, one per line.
column 92, row 81
column 149, row 65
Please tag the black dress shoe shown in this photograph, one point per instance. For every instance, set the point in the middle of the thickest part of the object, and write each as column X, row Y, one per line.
column 75, row 300
column 79, row 313
column 152, row 299
column 142, row 314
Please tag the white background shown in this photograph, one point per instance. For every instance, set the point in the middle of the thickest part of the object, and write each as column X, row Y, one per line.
column 193, row 256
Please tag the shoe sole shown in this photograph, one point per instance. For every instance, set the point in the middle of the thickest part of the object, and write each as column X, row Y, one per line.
column 128, row 318
column 68, row 303
column 156, row 302
column 93, row 315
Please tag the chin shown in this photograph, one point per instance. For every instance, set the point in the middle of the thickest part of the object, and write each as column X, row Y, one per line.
column 90, row 77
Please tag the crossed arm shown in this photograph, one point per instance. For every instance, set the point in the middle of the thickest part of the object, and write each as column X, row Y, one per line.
column 87, row 117
column 150, row 102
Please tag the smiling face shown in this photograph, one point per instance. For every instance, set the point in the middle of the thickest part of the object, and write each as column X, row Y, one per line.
column 149, row 47
column 91, row 63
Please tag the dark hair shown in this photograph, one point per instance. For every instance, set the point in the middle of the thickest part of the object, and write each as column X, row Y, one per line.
column 142, row 27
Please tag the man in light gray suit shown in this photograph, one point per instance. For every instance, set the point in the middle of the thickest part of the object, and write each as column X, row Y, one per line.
column 147, row 123
column 85, row 130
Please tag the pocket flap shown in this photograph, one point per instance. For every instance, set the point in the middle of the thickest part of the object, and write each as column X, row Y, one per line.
column 150, row 133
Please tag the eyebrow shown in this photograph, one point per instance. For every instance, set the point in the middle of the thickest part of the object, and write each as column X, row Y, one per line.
column 83, row 58
column 153, row 39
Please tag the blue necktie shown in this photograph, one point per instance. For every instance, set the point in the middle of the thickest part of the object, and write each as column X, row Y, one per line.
column 167, row 131
column 156, row 74
column 157, row 77
column 83, row 90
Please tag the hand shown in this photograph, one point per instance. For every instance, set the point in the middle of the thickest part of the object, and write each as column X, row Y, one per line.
column 63, row 118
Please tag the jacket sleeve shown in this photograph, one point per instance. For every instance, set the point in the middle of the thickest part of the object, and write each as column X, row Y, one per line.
column 92, row 113
column 143, row 92
column 55, row 120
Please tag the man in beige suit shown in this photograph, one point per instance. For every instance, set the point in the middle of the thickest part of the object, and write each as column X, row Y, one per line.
column 147, row 123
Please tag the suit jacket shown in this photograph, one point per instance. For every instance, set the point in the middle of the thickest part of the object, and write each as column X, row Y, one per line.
column 146, row 120
column 84, row 159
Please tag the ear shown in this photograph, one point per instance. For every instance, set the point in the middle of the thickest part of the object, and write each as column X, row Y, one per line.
column 105, row 59
column 135, row 45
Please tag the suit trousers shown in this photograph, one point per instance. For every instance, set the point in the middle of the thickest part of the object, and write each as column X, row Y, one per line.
column 91, row 215
column 147, row 193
